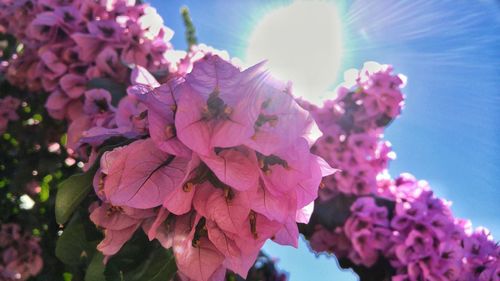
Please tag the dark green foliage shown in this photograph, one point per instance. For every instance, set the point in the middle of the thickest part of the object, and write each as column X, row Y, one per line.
column 141, row 260
column 24, row 157
column 70, row 194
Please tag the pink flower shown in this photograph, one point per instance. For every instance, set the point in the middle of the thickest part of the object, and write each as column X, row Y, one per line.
column 228, row 208
column 108, row 31
column 334, row 241
column 142, row 176
column 130, row 116
column 196, row 256
column 234, row 167
column 278, row 110
column 97, row 101
column 52, row 66
column 285, row 173
column 198, row 52
column 89, row 46
column 73, row 85
column 361, row 243
column 119, row 223
column 70, row 19
column 109, row 63
column 117, row 218
column 56, row 104
column 179, row 200
column 193, row 177
column 44, row 26
column 161, row 104
column 76, row 130
column 213, row 105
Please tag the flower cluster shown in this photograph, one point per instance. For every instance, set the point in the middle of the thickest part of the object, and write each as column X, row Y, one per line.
column 8, row 108
column 428, row 242
column 69, row 45
column 218, row 159
column 367, row 231
column 397, row 220
column 482, row 256
column 352, row 127
column 102, row 120
column 421, row 239
column 214, row 177
column 209, row 172
column 20, row 254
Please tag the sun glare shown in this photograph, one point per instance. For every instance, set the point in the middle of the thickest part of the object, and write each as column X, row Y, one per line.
column 302, row 42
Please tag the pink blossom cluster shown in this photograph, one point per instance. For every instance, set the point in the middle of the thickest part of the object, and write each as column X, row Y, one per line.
column 209, row 173
column 212, row 177
column 418, row 236
column 413, row 230
column 8, row 108
column 363, row 237
column 430, row 242
column 352, row 126
column 20, row 254
column 66, row 44
column 102, row 120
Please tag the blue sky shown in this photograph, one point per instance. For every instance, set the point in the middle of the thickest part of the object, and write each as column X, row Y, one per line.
column 449, row 133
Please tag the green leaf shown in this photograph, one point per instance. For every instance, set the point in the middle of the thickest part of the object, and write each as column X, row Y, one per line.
column 117, row 90
column 135, row 251
column 160, row 266
column 95, row 270
column 71, row 193
column 72, row 247
column 141, row 260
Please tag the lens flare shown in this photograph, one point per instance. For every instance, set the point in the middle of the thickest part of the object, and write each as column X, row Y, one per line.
column 302, row 42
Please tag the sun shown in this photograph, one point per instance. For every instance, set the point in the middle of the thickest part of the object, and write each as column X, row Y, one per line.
column 302, row 42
